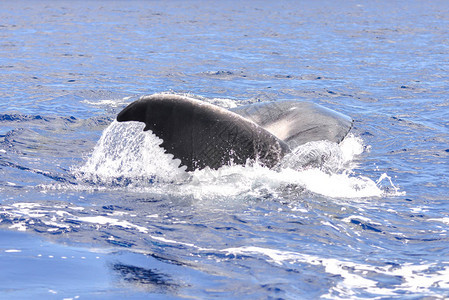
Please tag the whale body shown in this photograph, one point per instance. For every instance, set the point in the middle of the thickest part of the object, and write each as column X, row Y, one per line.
column 202, row 135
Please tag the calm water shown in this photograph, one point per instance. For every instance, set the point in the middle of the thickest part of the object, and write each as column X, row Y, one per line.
column 93, row 209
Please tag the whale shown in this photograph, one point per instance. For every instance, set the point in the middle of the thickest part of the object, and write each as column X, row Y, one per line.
column 201, row 134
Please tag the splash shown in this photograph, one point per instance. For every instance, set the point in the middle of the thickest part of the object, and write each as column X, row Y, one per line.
column 126, row 153
column 389, row 186
column 126, row 156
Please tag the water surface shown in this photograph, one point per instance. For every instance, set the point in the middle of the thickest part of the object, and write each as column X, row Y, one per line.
column 90, row 208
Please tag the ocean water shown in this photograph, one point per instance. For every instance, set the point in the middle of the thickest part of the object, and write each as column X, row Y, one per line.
column 94, row 209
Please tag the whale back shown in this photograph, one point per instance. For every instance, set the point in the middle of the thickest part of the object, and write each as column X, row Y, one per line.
column 297, row 122
column 204, row 135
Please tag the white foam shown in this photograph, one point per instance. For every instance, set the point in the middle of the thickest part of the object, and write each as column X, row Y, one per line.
column 56, row 219
column 341, row 185
column 364, row 219
column 20, row 226
column 415, row 278
column 126, row 156
column 162, row 239
column 107, row 102
column 13, row 251
column 26, row 205
column 102, row 220
column 257, row 180
column 444, row 220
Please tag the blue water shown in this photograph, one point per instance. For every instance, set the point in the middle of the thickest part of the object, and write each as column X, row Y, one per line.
column 93, row 209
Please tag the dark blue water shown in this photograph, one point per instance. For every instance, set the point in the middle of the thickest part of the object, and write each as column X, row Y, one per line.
column 93, row 209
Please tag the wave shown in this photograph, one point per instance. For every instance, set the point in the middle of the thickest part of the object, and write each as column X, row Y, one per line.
column 358, row 276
